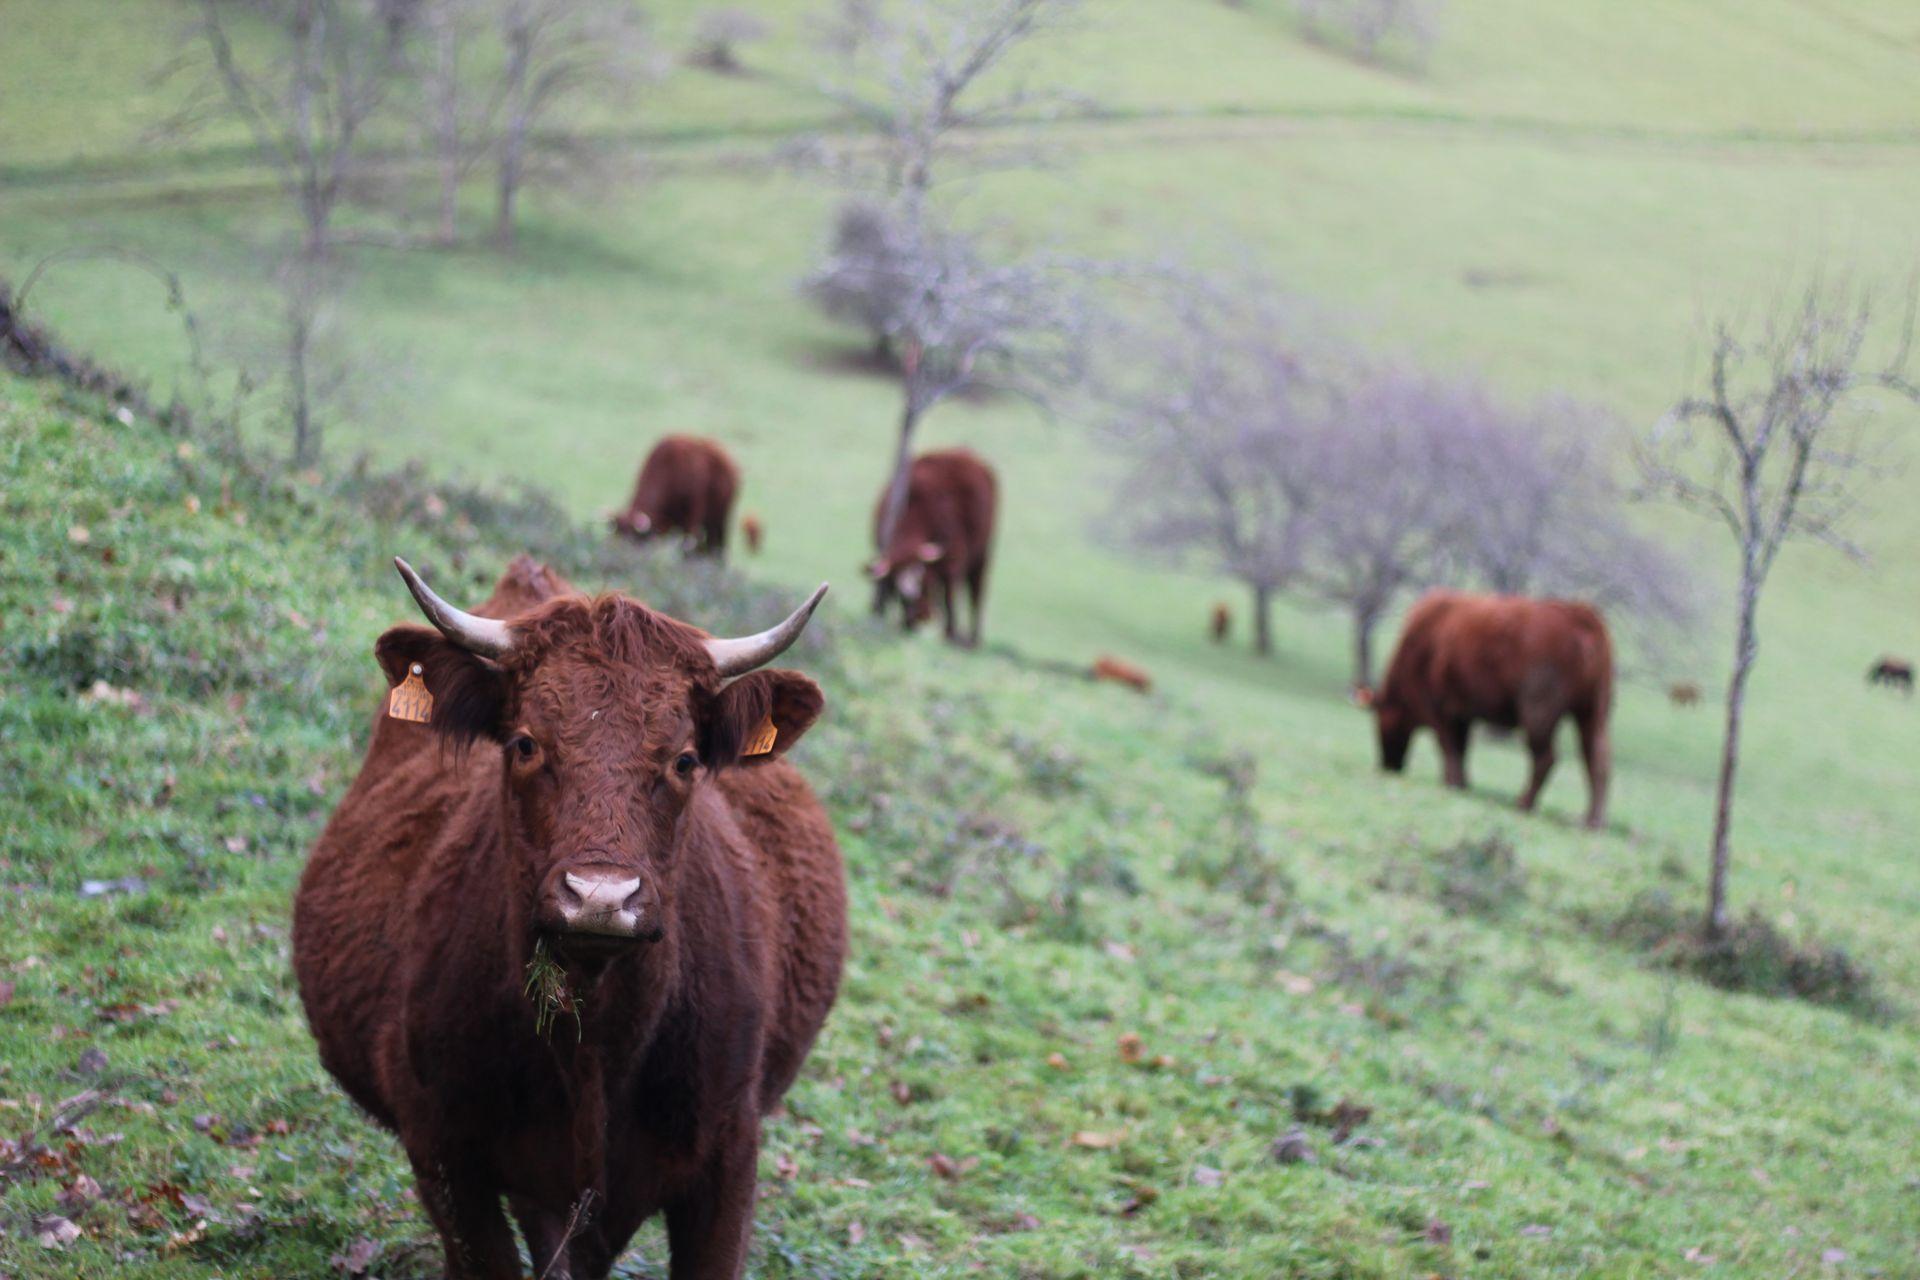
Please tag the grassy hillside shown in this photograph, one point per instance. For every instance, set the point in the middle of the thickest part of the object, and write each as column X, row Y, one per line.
column 1041, row 867
column 1220, row 950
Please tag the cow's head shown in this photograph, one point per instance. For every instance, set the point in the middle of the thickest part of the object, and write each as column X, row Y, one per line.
column 905, row 570
column 608, row 719
column 1394, row 721
column 635, row 524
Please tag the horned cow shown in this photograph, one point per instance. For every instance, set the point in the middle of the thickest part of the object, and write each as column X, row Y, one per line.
column 597, row 806
column 1507, row 661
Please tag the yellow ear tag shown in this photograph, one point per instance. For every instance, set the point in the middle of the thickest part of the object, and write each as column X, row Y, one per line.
column 763, row 738
column 409, row 700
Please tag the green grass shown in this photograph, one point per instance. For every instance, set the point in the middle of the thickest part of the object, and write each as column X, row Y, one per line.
column 1556, row 205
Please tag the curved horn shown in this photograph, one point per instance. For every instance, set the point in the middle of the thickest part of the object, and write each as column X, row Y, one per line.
column 737, row 657
column 488, row 637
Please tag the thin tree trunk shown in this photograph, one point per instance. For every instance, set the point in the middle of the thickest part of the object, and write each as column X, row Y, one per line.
column 513, row 136
column 1363, row 625
column 896, row 501
column 447, row 131
column 306, row 442
column 1262, row 619
column 1745, row 650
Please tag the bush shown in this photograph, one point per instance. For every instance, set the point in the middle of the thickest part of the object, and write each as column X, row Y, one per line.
column 1753, row 955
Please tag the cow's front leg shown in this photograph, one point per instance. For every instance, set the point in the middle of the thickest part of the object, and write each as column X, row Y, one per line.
column 473, row 1231
column 1453, row 752
column 708, row 1229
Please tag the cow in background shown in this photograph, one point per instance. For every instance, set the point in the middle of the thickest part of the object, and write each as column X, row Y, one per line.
column 1895, row 673
column 686, row 486
column 751, row 530
column 1220, row 623
column 1118, row 671
column 576, row 923
column 1684, row 694
column 1510, row 662
column 942, row 541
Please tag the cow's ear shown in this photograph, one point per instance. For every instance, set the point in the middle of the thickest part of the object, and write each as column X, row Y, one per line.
column 469, row 693
column 759, row 716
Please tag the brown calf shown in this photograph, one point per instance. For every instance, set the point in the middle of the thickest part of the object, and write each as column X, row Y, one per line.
column 571, row 938
column 750, row 529
column 1221, row 623
column 1121, row 672
column 1511, row 662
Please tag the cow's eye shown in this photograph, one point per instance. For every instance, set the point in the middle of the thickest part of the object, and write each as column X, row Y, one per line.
column 686, row 764
column 523, row 747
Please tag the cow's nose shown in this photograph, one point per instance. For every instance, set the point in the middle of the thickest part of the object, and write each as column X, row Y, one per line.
column 599, row 900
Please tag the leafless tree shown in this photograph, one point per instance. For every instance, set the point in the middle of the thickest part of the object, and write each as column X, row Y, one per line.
column 460, row 111
column 555, row 52
column 305, row 82
column 1543, row 514
column 1215, row 412
column 919, row 73
column 719, row 35
column 1377, row 31
column 1775, row 447
column 960, row 320
column 1389, row 459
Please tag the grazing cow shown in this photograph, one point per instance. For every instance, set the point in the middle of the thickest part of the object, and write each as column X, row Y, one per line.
column 1222, row 622
column 1511, row 662
column 1684, row 694
column 575, row 925
column 1895, row 673
column 686, row 486
column 750, row 529
column 1121, row 672
column 943, row 538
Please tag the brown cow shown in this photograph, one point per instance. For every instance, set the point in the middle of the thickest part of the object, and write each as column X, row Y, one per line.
column 1119, row 671
column 1510, row 662
column 943, row 538
column 1684, row 694
column 1892, row 672
column 1221, row 623
column 686, row 486
column 595, row 812
column 751, row 530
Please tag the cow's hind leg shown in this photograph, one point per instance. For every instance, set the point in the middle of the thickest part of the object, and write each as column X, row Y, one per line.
column 1597, row 750
column 1453, row 751
column 949, row 609
column 1540, row 747
column 976, row 593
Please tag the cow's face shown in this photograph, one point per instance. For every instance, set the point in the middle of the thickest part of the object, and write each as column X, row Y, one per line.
column 608, row 720
column 637, row 525
column 907, row 572
column 1396, row 731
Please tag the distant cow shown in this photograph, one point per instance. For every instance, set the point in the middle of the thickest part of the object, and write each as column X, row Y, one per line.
column 1118, row 671
column 576, row 924
column 1510, row 662
column 943, row 540
column 686, row 486
column 1895, row 673
column 1684, row 694
column 1221, row 623
column 750, row 529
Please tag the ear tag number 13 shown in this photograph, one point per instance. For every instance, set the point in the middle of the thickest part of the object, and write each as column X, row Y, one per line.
column 409, row 700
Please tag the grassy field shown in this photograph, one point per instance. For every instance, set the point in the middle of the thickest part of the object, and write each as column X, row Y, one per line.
column 1041, row 867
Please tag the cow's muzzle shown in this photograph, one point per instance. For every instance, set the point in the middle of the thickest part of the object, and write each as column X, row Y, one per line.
column 599, row 901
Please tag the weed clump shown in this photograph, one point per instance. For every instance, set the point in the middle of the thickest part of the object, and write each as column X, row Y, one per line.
column 1753, row 954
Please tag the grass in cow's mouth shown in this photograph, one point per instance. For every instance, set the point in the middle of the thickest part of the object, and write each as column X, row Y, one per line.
column 547, row 988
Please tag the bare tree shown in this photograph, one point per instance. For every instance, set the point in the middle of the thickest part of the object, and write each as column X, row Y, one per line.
column 1389, row 461
column 555, row 53
column 1216, row 413
column 961, row 321
column 459, row 113
column 919, row 73
column 719, row 35
column 305, row 83
column 1377, row 31
column 1772, row 448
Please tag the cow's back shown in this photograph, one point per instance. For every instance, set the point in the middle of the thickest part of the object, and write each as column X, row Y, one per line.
column 684, row 478
column 952, row 500
column 1492, row 656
